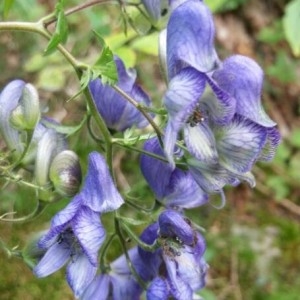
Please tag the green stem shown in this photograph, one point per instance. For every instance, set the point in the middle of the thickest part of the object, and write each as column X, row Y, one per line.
column 104, row 249
column 130, row 265
column 146, row 247
column 102, row 126
column 138, row 106
column 38, row 209
column 159, row 157
column 47, row 20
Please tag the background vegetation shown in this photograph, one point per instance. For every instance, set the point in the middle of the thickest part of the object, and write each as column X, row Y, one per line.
column 254, row 242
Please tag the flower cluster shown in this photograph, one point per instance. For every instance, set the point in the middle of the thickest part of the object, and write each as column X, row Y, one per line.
column 76, row 232
column 215, row 106
column 216, row 130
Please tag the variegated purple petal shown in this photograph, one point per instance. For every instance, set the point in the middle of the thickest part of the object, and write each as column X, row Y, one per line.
column 99, row 192
column 122, row 279
column 220, row 106
column 151, row 259
column 89, row 232
column 210, row 177
column 239, row 177
column 269, row 149
column 179, row 289
column 182, row 97
column 200, row 142
column 242, row 77
column 60, row 221
column 80, row 273
column 184, row 191
column 108, row 102
column 126, row 78
column 117, row 112
column 239, row 144
column 98, row 289
column 158, row 290
column 190, row 38
column 172, row 224
column 54, row 259
column 151, row 167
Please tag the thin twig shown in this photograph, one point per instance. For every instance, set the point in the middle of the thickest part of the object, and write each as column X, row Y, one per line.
column 75, row 9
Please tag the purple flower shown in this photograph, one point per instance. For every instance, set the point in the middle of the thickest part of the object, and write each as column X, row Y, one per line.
column 118, row 283
column 76, row 232
column 75, row 242
column 225, row 130
column 116, row 111
column 179, row 263
column 174, row 188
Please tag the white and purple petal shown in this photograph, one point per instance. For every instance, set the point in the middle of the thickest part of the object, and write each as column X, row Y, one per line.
column 181, row 99
column 55, row 258
column 89, row 232
column 242, row 78
column 183, row 191
column 200, row 142
column 80, row 273
column 272, row 142
column 190, row 38
column 98, row 289
column 179, row 289
column 210, row 177
column 99, row 192
column 123, row 283
column 220, row 105
column 239, row 143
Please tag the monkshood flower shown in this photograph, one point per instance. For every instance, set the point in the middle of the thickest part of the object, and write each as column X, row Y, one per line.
column 19, row 110
column 76, row 233
column 172, row 187
column 223, row 141
column 190, row 58
column 119, row 283
column 118, row 113
column 179, row 263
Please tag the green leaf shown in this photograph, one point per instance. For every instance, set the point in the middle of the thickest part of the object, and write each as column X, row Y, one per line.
column 105, row 66
column 7, row 6
column 67, row 130
column 291, row 25
column 61, row 29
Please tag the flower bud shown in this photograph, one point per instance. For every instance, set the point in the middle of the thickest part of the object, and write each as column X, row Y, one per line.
column 65, row 173
column 48, row 147
column 9, row 99
column 26, row 115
